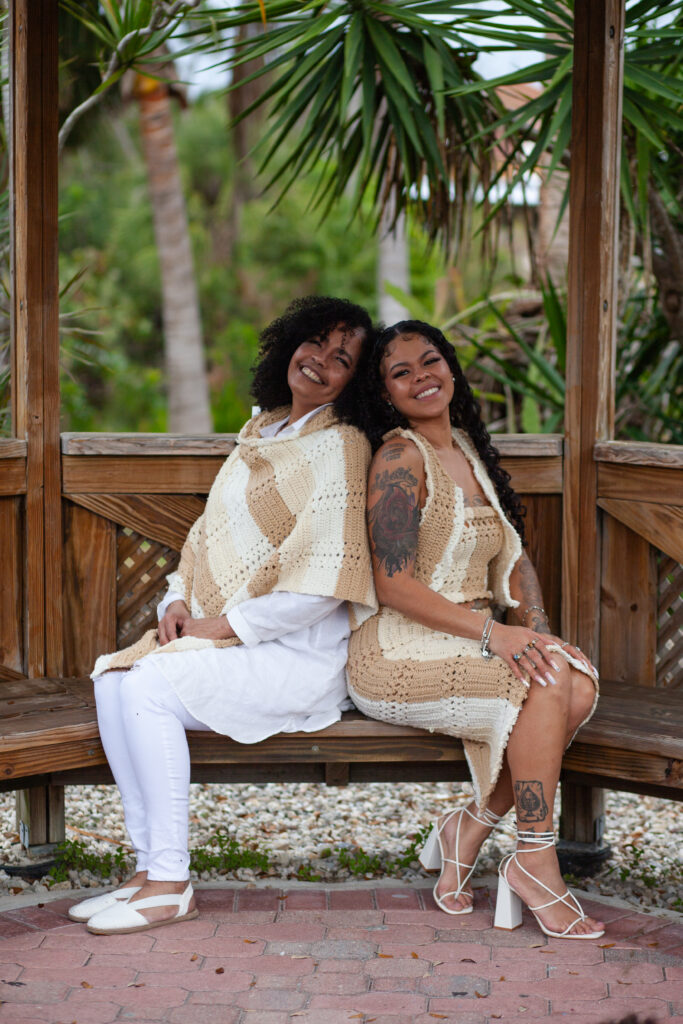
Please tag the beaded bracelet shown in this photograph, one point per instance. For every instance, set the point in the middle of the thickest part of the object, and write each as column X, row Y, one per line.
column 534, row 608
column 486, row 636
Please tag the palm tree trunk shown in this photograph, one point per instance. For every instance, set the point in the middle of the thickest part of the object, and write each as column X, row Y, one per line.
column 186, row 378
column 393, row 267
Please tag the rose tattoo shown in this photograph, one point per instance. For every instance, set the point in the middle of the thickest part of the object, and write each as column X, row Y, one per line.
column 394, row 520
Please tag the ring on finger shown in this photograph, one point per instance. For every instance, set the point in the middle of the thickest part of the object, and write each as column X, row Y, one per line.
column 517, row 657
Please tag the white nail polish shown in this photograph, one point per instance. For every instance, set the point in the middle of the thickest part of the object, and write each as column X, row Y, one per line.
column 553, row 682
column 555, row 665
column 541, row 681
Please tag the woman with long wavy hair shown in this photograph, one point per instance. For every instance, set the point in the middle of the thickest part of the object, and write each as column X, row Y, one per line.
column 253, row 630
column 446, row 535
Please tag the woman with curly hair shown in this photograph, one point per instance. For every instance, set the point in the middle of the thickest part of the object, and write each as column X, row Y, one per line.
column 253, row 631
column 446, row 535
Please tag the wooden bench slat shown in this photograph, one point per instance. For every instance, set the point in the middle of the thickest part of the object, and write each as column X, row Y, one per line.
column 635, row 736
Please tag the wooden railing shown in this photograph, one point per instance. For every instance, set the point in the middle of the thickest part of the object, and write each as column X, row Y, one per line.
column 640, row 492
column 12, row 489
column 129, row 500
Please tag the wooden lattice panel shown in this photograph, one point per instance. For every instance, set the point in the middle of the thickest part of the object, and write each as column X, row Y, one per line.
column 142, row 567
column 670, row 623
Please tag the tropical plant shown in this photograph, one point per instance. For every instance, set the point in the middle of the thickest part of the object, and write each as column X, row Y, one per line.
column 365, row 93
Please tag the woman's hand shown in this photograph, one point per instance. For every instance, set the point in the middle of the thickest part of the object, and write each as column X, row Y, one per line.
column 208, row 629
column 575, row 652
column 525, row 652
column 170, row 626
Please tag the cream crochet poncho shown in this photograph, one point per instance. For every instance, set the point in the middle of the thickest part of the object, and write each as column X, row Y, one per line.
column 282, row 514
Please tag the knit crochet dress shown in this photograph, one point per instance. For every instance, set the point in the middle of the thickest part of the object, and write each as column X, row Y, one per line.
column 403, row 672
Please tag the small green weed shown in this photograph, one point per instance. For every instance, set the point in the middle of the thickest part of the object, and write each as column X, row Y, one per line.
column 72, row 855
column 305, row 874
column 223, row 853
column 359, row 862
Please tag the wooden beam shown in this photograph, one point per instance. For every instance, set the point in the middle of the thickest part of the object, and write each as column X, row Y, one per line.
column 634, row 483
column 34, row 316
column 591, row 330
column 165, row 518
column 639, row 453
column 591, row 313
column 661, row 525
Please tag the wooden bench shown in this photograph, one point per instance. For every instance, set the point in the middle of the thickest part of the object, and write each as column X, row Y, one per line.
column 49, row 736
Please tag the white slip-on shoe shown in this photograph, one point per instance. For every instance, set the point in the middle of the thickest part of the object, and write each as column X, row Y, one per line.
column 85, row 910
column 123, row 918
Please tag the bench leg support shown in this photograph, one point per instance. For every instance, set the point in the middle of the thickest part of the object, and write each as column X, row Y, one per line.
column 40, row 823
column 582, row 848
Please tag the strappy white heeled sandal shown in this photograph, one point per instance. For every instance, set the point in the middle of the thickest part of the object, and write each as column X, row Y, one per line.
column 509, row 903
column 88, row 908
column 124, row 917
column 432, row 855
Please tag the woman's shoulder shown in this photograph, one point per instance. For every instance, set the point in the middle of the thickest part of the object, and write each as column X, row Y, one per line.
column 399, row 450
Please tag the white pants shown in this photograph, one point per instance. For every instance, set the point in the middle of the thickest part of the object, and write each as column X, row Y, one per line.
column 142, row 724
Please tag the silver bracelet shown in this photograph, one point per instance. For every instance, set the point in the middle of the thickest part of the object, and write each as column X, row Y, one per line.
column 533, row 608
column 486, row 636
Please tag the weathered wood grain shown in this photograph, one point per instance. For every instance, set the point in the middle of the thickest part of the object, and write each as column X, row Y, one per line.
column 538, row 475
column 148, row 444
column 641, row 483
column 35, row 349
column 11, row 586
column 12, row 448
column 89, row 588
column 13, row 476
column 165, row 518
column 661, row 525
column 628, row 606
column 135, row 474
column 639, row 453
column 526, row 445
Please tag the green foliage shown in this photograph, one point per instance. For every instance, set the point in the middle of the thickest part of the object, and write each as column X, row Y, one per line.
column 364, row 94
column 73, row 855
column 246, row 272
column 223, row 853
column 358, row 862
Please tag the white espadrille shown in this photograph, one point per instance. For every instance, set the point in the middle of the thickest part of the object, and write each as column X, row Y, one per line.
column 123, row 918
column 88, row 908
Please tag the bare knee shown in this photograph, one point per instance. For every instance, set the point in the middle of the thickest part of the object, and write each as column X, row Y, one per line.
column 582, row 695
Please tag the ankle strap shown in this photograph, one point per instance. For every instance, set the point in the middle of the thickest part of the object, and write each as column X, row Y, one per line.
column 538, row 840
column 488, row 818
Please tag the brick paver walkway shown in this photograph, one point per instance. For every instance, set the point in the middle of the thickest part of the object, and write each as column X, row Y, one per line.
column 387, row 956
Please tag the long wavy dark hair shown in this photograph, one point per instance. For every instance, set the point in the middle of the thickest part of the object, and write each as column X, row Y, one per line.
column 366, row 407
column 314, row 315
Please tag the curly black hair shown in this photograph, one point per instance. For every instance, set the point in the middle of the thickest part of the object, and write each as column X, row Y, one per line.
column 314, row 315
column 365, row 407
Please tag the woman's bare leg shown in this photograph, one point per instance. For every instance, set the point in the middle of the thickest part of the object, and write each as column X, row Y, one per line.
column 534, row 757
column 572, row 712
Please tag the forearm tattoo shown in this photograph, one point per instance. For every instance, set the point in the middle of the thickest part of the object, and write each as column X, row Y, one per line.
column 529, row 801
column 395, row 518
column 530, row 592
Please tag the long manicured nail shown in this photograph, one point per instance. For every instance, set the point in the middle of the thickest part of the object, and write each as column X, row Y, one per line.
column 541, row 681
column 555, row 665
column 553, row 682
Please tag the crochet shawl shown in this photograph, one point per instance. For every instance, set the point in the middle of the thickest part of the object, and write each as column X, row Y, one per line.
column 284, row 513
column 446, row 522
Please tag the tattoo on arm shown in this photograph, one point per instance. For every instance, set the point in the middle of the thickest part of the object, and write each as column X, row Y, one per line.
column 529, row 800
column 531, row 595
column 394, row 519
column 392, row 452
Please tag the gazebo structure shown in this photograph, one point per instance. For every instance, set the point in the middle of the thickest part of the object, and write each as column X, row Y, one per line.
column 91, row 524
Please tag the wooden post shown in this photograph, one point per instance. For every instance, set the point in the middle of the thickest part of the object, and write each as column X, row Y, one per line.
column 35, row 350
column 591, row 326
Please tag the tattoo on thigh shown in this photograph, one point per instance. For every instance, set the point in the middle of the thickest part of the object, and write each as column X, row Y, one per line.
column 531, row 805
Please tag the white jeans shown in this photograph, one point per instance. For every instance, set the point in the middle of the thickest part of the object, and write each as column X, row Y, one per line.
column 142, row 724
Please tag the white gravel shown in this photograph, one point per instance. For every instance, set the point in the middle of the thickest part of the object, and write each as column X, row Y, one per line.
column 302, row 825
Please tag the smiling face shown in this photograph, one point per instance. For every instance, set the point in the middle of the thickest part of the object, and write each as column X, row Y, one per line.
column 321, row 367
column 417, row 379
